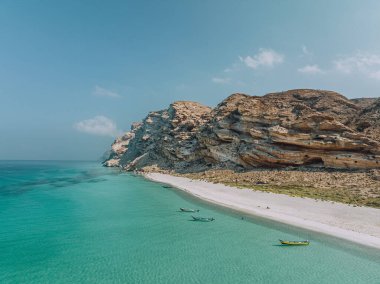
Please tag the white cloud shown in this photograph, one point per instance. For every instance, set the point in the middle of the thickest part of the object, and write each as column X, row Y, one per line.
column 305, row 51
column 375, row 75
column 265, row 57
column 101, row 92
column 233, row 68
column 99, row 125
column 217, row 80
column 360, row 62
column 310, row 69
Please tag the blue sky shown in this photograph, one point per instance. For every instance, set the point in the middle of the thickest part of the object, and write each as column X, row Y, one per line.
column 73, row 74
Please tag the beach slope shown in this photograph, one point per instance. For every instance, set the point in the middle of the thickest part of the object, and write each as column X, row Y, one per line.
column 355, row 224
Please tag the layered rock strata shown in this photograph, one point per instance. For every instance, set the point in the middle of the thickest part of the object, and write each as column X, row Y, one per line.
column 299, row 128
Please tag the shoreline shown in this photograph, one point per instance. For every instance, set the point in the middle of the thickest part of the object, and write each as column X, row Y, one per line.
column 356, row 224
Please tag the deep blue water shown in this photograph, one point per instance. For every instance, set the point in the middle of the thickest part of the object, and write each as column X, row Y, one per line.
column 66, row 222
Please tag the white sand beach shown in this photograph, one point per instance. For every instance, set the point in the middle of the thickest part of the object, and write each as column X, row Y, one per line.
column 356, row 224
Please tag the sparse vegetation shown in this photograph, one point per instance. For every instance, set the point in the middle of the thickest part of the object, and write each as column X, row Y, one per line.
column 355, row 188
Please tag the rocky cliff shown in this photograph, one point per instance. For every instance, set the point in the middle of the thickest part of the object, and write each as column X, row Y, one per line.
column 308, row 128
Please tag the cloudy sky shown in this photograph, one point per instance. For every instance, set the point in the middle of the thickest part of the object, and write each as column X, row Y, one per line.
column 75, row 74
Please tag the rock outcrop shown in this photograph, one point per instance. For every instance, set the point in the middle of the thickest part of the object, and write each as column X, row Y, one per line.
column 166, row 138
column 368, row 121
column 308, row 128
column 120, row 146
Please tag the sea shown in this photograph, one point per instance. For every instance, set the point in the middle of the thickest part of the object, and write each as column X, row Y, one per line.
column 78, row 222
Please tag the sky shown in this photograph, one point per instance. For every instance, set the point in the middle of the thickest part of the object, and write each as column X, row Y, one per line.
column 75, row 74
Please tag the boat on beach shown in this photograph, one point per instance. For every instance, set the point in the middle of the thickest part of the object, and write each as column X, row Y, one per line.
column 202, row 219
column 295, row 243
column 188, row 210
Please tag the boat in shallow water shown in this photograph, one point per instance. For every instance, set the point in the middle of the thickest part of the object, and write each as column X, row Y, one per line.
column 295, row 243
column 188, row 210
column 202, row 219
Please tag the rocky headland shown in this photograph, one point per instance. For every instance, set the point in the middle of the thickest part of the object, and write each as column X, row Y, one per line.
column 308, row 135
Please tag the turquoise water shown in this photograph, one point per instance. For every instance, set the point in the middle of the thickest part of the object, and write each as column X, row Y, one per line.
column 64, row 222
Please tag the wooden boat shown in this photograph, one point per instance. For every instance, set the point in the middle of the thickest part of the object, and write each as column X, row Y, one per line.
column 188, row 210
column 295, row 243
column 203, row 219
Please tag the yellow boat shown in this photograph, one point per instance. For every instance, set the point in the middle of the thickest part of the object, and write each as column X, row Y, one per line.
column 295, row 243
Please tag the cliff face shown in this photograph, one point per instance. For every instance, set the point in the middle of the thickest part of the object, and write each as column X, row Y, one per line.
column 166, row 138
column 368, row 121
column 120, row 146
column 295, row 128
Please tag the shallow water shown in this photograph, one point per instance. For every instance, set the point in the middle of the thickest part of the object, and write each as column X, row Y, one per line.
column 65, row 222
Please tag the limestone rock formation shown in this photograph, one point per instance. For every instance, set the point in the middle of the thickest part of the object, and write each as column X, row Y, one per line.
column 120, row 146
column 309, row 128
column 368, row 120
column 167, row 138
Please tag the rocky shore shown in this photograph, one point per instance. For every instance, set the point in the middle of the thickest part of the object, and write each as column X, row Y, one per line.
column 302, row 142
